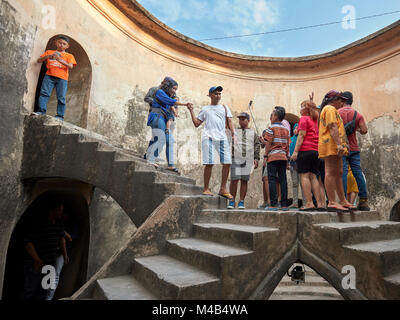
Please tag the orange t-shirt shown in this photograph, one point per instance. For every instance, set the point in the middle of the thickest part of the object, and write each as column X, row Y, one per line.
column 57, row 69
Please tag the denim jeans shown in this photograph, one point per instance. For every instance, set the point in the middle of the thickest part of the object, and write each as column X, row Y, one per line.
column 159, row 138
column 48, row 85
column 355, row 164
column 58, row 266
column 279, row 167
column 32, row 283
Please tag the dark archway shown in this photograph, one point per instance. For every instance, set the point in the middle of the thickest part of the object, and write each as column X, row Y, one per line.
column 79, row 85
column 395, row 212
column 73, row 275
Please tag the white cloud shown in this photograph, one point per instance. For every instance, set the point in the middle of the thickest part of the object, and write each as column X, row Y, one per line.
column 233, row 17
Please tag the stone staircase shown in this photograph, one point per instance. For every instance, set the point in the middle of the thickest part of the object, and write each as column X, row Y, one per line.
column 228, row 254
column 194, row 267
column 58, row 149
column 189, row 246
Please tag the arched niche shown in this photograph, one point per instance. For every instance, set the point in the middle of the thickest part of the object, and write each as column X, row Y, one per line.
column 395, row 212
column 73, row 275
column 79, row 85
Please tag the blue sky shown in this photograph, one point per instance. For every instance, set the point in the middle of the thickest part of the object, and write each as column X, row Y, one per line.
column 203, row 19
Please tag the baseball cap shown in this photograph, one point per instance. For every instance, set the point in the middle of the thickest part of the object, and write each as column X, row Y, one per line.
column 212, row 89
column 244, row 115
column 63, row 38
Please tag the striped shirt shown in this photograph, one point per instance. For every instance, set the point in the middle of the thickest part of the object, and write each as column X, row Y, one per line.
column 278, row 135
column 46, row 238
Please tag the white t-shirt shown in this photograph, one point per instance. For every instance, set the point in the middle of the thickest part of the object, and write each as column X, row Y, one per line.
column 214, row 120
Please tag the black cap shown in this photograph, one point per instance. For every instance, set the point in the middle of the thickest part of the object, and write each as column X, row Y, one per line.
column 349, row 97
column 244, row 115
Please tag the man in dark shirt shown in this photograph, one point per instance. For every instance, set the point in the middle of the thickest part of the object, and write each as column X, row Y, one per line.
column 353, row 159
column 43, row 239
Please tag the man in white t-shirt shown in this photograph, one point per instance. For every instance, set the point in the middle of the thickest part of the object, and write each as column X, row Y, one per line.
column 214, row 139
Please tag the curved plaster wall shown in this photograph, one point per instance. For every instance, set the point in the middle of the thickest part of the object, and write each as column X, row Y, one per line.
column 131, row 51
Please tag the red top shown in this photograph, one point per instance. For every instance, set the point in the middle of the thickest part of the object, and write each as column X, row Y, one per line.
column 347, row 114
column 310, row 126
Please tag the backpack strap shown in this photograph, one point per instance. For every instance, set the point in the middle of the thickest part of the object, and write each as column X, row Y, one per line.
column 226, row 117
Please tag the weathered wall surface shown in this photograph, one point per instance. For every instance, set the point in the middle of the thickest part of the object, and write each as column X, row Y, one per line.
column 16, row 42
column 110, row 229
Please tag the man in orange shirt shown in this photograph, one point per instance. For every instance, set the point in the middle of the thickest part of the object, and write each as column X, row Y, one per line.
column 58, row 64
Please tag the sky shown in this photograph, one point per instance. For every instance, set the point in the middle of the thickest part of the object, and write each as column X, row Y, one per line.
column 205, row 19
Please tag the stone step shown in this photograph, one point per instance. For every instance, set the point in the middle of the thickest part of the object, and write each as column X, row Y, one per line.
column 248, row 217
column 357, row 232
column 388, row 252
column 213, row 257
column 122, row 288
column 249, row 237
column 394, row 278
column 328, row 217
column 182, row 188
column 210, row 202
column 302, row 297
column 174, row 279
column 307, row 291
column 310, row 281
column 164, row 177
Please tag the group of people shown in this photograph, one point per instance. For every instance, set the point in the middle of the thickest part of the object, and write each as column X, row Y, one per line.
column 318, row 153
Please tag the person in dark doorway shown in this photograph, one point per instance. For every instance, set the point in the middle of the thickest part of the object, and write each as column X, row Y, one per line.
column 43, row 239
column 71, row 231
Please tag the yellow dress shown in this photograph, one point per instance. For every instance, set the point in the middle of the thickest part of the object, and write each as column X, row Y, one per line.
column 326, row 145
column 351, row 182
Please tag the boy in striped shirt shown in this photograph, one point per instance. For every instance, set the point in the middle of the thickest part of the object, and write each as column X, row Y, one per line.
column 277, row 141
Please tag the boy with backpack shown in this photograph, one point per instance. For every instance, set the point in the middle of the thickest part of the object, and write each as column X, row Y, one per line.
column 353, row 122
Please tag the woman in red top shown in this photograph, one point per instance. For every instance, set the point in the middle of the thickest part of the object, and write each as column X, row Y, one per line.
column 306, row 155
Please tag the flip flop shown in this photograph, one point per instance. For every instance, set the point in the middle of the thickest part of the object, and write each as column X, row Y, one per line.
column 349, row 206
column 336, row 209
column 207, row 193
column 308, row 209
column 226, row 196
column 321, row 209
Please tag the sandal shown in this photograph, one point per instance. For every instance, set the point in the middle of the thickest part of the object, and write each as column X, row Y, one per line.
column 207, row 193
column 174, row 170
column 226, row 195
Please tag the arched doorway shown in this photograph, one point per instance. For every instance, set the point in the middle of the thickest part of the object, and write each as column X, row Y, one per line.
column 395, row 212
column 311, row 287
column 79, row 85
column 73, row 275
